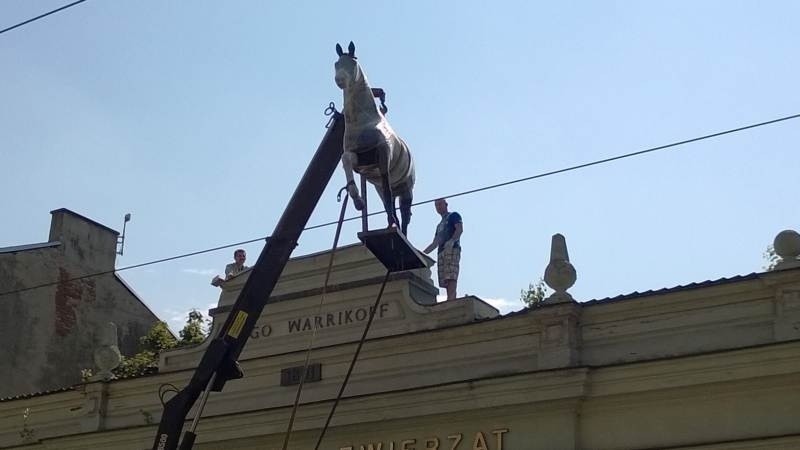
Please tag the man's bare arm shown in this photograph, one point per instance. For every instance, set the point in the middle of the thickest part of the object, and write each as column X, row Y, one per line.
column 433, row 245
column 459, row 228
column 429, row 248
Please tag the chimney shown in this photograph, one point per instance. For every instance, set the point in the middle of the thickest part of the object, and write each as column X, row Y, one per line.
column 85, row 242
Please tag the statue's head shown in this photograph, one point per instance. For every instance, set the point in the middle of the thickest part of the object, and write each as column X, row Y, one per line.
column 347, row 70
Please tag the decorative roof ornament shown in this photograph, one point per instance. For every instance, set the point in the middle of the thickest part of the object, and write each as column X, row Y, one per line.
column 560, row 275
column 107, row 356
column 787, row 246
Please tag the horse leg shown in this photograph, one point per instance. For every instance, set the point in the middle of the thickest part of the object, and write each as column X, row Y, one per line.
column 387, row 197
column 406, row 198
column 349, row 160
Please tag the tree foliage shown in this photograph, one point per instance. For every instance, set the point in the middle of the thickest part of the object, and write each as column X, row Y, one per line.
column 158, row 339
column 193, row 332
column 535, row 294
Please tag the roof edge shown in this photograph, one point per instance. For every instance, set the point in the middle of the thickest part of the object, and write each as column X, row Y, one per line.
column 28, row 247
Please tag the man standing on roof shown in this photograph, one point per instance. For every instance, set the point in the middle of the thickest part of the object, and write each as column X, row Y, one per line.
column 234, row 268
column 447, row 240
column 237, row 266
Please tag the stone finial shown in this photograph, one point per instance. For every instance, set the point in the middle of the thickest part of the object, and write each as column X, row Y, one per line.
column 560, row 274
column 787, row 246
column 107, row 356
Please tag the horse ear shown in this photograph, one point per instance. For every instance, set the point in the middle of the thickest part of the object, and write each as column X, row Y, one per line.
column 339, row 50
column 351, row 49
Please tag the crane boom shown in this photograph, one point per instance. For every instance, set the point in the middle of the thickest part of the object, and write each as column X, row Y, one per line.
column 219, row 362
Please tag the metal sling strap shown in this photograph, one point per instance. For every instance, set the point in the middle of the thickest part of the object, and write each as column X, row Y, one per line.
column 319, row 309
column 353, row 362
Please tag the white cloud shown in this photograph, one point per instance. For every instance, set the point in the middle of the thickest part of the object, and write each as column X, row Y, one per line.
column 206, row 272
column 505, row 306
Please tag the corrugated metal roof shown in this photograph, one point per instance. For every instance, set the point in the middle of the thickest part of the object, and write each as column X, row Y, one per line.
column 662, row 291
column 683, row 287
column 37, row 394
column 143, row 373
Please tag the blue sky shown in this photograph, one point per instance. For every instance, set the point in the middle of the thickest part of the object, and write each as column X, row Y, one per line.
column 200, row 117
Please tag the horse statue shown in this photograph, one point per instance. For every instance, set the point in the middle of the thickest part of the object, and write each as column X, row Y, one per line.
column 371, row 147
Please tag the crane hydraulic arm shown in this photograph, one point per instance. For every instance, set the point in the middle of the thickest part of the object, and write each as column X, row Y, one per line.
column 219, row 363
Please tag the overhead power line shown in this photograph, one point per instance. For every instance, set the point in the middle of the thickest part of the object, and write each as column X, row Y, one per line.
column 627, row 155
column 458, row 194
column 41, row 16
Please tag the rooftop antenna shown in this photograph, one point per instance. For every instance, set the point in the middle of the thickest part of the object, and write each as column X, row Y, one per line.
column 121, row 239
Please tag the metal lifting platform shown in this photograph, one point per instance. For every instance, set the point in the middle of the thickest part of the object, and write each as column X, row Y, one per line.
column 393, row 249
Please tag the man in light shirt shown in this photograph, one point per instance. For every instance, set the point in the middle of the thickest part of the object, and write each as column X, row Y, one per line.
column 234, row 268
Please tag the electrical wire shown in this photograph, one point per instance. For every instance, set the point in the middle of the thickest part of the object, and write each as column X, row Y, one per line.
column 458, row 194
column 41, row 16
column 134, row 266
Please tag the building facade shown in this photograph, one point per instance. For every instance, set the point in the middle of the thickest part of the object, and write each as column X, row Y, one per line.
column 710, row 365
column 49, row 332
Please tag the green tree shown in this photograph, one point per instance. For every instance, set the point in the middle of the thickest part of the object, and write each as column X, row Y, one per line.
column 158, row 339
column 193, row 332
column 535, row 294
